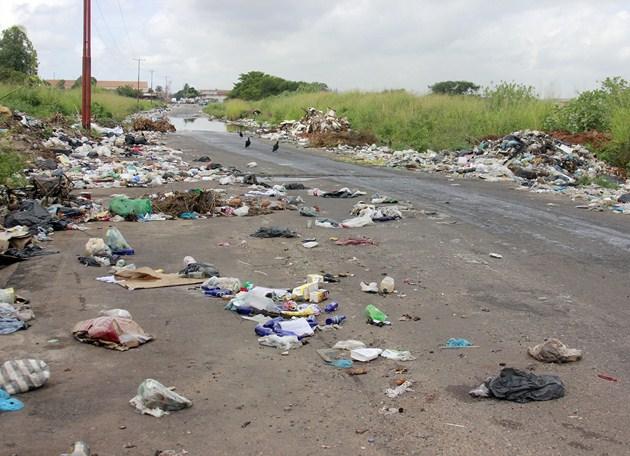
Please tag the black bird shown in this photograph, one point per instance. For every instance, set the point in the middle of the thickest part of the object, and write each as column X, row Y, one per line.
column 248, row 143
column 240, row 133
column 275, row 147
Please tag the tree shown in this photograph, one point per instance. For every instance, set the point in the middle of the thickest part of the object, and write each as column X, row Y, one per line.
column 128, row 91
column 256, row 85
column 454, row 88
column 61, row 84
column 186, row 92
column 78, row 81
column 17, row 52
column 159, row 89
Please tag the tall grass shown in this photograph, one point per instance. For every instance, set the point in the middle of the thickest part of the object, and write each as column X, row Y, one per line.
column 402, row 119
column 41, row 101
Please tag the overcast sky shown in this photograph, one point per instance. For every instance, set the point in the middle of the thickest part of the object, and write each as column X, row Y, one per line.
column 558, row 46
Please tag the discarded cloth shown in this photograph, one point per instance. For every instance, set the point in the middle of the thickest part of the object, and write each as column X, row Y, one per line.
column 22, row 375
column 11, row 325
column 157, row 400
column 273, row 231
column 111, row 332
column 519, row 386
column 554, row 351
column 199, row 271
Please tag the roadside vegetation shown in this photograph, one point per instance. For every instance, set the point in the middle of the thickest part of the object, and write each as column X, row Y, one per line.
column 458, row 114
column 45, row 101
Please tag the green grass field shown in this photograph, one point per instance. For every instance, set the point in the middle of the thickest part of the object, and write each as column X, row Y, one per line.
column 403, row 119
column 44, row 101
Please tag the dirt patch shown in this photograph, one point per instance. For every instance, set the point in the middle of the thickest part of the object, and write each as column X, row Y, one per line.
column 595, row 138
column 335, row 138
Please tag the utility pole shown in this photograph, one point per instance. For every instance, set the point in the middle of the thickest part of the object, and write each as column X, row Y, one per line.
column 138, row 89
column 166, row 87
column 86, row 76
column 152, row 71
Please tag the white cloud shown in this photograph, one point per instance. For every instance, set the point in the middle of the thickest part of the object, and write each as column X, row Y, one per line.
column 559, row 47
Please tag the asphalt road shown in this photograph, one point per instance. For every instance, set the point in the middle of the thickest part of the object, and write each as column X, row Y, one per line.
column 564, row 273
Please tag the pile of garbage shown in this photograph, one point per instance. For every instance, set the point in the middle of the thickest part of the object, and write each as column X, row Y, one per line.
column 534, row 159
column 314, row 122
column 147, row 124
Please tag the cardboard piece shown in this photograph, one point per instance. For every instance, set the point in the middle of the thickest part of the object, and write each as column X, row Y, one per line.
column 143, row 278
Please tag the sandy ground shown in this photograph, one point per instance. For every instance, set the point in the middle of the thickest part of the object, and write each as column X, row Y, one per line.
column 251, row 400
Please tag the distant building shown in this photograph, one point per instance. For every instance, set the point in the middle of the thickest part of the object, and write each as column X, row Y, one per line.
column 213, row 95
column 107, row 85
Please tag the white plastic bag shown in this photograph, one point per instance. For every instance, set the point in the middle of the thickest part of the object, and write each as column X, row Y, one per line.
column 157, row 400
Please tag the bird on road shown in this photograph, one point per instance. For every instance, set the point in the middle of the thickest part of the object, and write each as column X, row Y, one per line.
column 248, row 143
column 240, row 133
column 275, row 147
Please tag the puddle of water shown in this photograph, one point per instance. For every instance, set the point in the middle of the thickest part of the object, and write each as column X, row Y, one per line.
column 197, row 123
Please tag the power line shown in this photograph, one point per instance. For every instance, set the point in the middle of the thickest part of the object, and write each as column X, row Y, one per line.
column 122, row 16
column 109, row 31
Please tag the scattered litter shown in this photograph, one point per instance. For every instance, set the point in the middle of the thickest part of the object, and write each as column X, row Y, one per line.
column 554, row 351
column 341, row 363
column 496, row 255
column 349, row 344
column 458, row 343
column 148, row 278
column 308, row 211
column 310, row 244
column 393, row 393
column 8, row 403
column 281, row 342
column 117, row 243
column 357, row 371
column 398, row 355
column 272, row 232
column 365, row 354
column 608, row 377
column 79, row 448
column 371, row 287
column 22, row 375
column 376, row 316
column 390, row 410
column 387, row 285
column 111, row 332
column 519, row 386
column 156, row 400
column 355, row 241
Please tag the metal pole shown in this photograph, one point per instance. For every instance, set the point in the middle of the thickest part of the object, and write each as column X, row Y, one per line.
column 86, row 76
column 152, row 71
column 138, row 88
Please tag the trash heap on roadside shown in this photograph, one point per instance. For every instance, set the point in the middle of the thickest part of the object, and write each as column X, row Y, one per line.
column 534, row 159
column 313, row 122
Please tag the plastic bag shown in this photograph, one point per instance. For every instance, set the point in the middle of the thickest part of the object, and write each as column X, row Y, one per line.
column 225, row 283
column 281, row 342
column 199, row 271
column 124, row 206
column 117, row 243
column 156, row 400
column 97, row 247
column 9, row 404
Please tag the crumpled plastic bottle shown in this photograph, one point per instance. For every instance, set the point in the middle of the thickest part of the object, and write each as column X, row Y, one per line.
column 376, row 316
